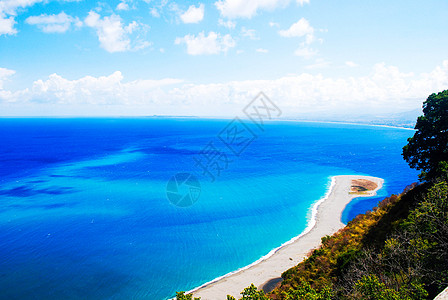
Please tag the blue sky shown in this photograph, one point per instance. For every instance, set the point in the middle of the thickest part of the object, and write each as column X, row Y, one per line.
column 146, row 57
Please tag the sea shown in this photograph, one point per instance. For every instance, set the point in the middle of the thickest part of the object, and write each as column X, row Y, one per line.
column 139, row 208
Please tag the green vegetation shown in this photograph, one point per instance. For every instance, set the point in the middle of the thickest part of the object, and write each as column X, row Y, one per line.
column 382, row 254
column 397, row 251
column 251, row 293
column 427, row 150
column 182, row 296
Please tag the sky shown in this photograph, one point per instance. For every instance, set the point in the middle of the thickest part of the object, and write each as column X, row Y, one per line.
column 210, row 58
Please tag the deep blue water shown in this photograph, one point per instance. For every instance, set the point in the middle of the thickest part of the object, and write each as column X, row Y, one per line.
column 84, row 212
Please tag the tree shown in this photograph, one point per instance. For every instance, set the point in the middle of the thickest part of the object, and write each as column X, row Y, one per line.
column 370, row 288
column 182, row 296
column 304, row 291
column 252, row 293
column 427, row 150
column 428, row 225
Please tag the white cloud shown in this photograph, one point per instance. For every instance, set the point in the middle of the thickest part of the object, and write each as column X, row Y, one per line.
column 7, row 25
column 261, row 50
column 249, row 8
column 351, row 64
column 228, row 24
column 110, row 31
column 96, row 90
column 4, row 74
column 246, row 8
column 154, row 12
column 384, row 89
column 302, row 28
column 122, row 6
column 131, row 27
column 161, row 7
column 298, row 29
column 302, row 2
column 9, row 7
column 113, row 35
column 193, row 14
column 213, row 43
column 8, row 11
column 274, row 24
column 250, row 33
column 53, row 23
column 5, row 95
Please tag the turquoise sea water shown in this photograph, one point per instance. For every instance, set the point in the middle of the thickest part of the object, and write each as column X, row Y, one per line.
column 84, row 212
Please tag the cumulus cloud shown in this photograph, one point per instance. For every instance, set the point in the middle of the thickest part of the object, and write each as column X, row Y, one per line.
column 59, row 23
column 110, row 31
column 10, row 6
column 7, row 25
column 154, row 12
column 162, row 7
column 4, row 74
column 8, row 11
column 193, row 14
column 213, row 43
column 96, row 90
column 228, row 24
column 384, row 89
column 302, row 2
column 298, row 29
column 122, row 6
column 250, row 33
column 302, row 28
column 113, row 35
column 249, row 8
column 246, row 8
column 6, row 95
column 262, row 50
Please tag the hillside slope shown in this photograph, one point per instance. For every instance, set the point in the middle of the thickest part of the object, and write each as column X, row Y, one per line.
column 396, row 251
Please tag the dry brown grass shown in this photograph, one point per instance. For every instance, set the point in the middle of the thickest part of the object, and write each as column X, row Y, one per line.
column 362, row 186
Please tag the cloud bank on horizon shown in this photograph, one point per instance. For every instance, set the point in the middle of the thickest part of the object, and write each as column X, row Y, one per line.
column 141, row 57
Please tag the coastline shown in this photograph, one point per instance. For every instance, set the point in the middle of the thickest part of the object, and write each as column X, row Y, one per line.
column 350, row 123
column 273, row 120
column 325, row 220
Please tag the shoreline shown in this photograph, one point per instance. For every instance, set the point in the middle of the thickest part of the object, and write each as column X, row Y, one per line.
column 310, row 225
column 350, row 123
column 325, row 220
column 201, row 118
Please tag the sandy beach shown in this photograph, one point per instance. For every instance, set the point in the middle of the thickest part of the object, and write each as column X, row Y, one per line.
column 326, row 220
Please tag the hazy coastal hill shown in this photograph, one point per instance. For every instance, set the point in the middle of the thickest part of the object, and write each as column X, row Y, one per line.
column 402, row 119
